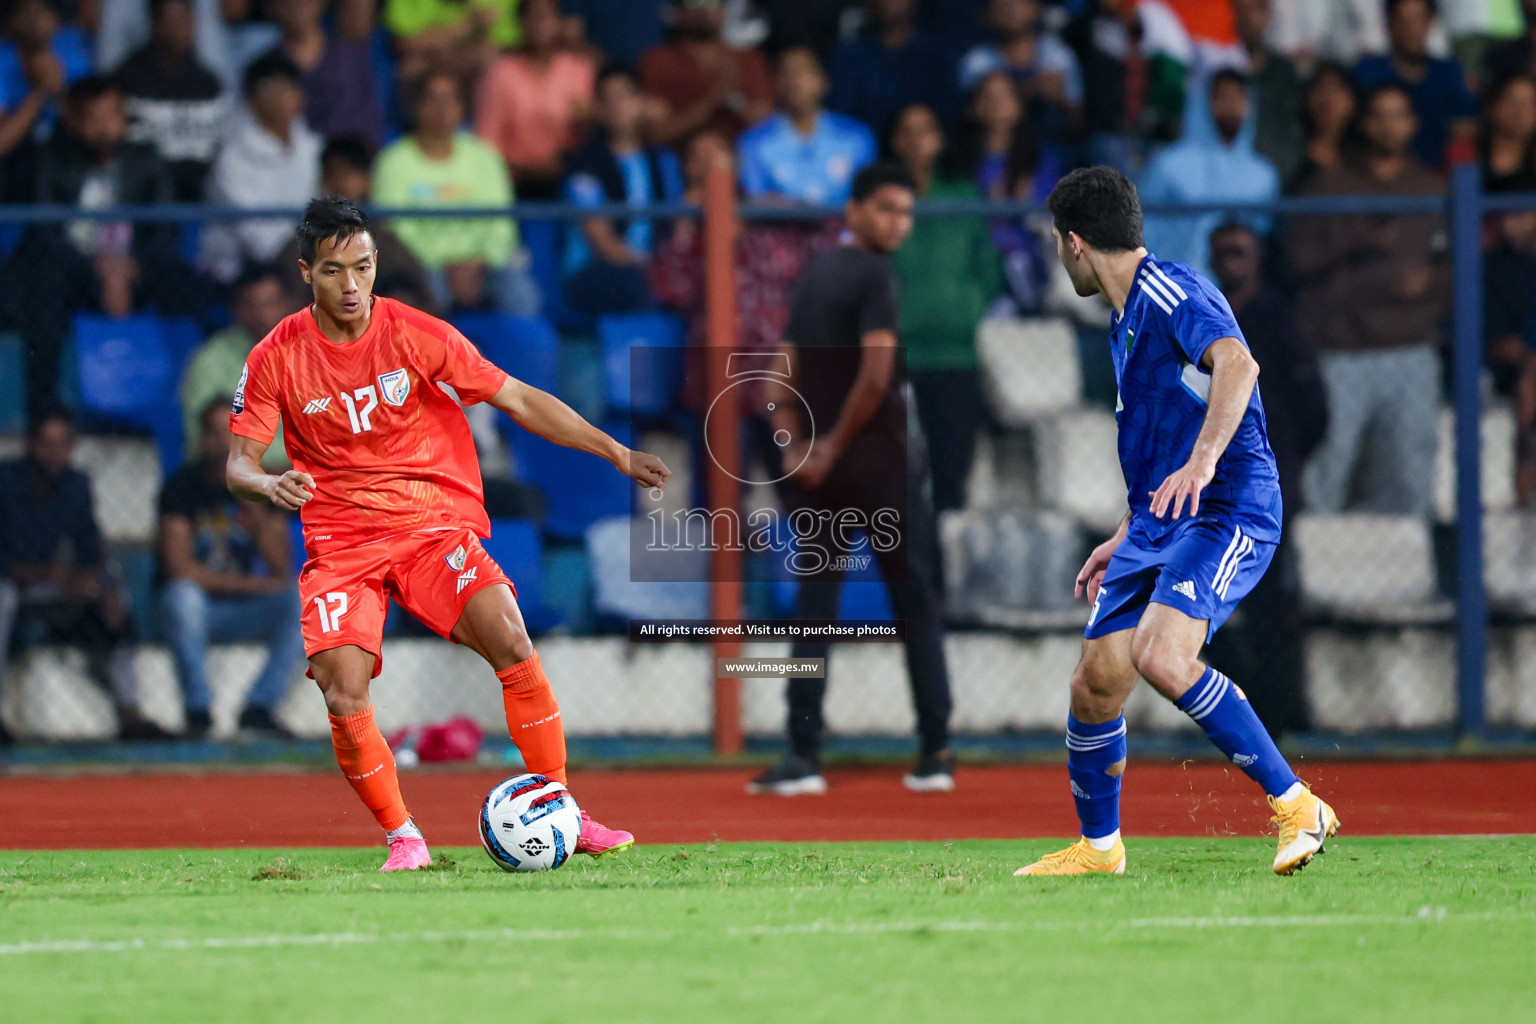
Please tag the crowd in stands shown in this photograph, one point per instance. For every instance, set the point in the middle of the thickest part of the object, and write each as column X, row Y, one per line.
column 260, row 104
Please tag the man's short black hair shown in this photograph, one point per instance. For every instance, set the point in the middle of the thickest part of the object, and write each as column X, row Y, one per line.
column 155, row 5
column 90, row 89
column 1393, row 5
column 617, row 69
column 270, row 65
column 350, row 150
column 1099, row 205
column 329, row 217
column 1227, row 76
column 1370, row 96
column 873, row 177
column 220, row 405
column 49, row 412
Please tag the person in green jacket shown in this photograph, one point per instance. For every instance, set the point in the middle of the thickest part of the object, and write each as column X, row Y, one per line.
column 469, row 263
column 950, row 274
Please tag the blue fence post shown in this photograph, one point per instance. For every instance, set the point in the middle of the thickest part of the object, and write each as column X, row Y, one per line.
column 1471, row 601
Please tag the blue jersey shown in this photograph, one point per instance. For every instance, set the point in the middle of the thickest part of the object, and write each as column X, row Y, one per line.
column 1171, row 317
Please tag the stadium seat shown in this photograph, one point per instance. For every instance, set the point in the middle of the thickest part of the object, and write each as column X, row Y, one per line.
column 125, row 485
column 127, row 374
column 1509, row 561
column 542, row 238
column 863, row 595
column 13, row 384
column 1497, row 465
column 610, row 545
column 515, row 545
column 642, row 361
column 582, row 488
column 525, row 346
column 1029, row 368
column 1078, row 458
column 1365, row 568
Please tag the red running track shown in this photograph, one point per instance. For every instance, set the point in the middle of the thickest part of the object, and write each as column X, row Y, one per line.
column 221, row 810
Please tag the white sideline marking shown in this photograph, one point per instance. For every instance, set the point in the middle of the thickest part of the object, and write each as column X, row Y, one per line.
column 1425, row 915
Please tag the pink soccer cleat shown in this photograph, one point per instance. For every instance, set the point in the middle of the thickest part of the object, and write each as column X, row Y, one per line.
column 407, row 853
column 597, row 840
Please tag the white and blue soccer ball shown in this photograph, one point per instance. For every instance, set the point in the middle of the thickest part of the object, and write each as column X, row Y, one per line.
column 530, row 823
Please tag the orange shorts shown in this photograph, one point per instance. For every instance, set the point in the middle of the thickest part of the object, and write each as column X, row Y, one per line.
column 431, row 574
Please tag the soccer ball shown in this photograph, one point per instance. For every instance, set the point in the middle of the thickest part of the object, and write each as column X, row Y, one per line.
column 529, row 823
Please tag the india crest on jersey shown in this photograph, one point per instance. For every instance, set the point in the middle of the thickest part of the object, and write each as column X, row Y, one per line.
column 395, row 386
column 457, row 559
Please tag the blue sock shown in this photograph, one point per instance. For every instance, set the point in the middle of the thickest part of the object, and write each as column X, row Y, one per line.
column 1090, row 750
column 1224, row 713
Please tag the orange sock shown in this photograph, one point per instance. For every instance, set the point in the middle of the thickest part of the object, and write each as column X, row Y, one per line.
column 369, row 765
column 533, row 718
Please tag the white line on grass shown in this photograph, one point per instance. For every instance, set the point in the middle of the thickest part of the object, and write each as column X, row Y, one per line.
column 1425, row 915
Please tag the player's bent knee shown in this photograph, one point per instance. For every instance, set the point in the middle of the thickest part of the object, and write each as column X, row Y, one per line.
column 1170, row 671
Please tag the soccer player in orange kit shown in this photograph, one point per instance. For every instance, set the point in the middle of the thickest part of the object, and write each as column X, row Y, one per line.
column 385, row 473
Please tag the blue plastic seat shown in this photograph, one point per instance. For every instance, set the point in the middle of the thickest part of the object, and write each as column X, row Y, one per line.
column 525, row 346
column 642, row 361
column 582, row 488
column 516, row 546
column 127, row 375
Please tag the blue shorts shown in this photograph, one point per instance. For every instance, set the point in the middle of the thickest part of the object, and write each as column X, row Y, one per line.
column 1203, row 569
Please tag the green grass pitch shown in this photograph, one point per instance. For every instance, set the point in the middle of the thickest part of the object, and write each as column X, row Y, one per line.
column 1389, row 930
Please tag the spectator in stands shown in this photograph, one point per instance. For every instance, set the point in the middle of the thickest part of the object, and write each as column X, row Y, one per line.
column 270, row 158
column 31, row 78
column 890, row 65
column 803, row 153
column 818, row 24
column 1267, row 641
column 123, row 26
column 1328, row 120
column 54, row 583
column 1220, row 169
column 226, row 572
column 108, row 266
column 703, row 82
column 1446, row 113
column 40, row 51
column 470, row 264
column 1509, row 328
column 1328, row 30
column 1373, row 292
column 1509, row 136
column 532, row 104
column 251, row 31
column 1049, row 78
column 1276, row 90
column 174, row 102
column 463, row 35
column 341, row 96
column 949, row 275
column 605, row 263
column 1516, row 56
column 213, row 370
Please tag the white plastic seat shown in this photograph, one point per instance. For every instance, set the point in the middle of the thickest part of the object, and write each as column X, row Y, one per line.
column 1078, row 456
column 1368, row 568
column 125, row 485
column 1497, row 465
column 1029, row 368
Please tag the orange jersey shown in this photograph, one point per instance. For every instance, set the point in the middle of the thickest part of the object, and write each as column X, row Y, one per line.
column 390, row 451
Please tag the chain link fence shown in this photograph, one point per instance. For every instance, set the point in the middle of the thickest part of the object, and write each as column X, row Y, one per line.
column 1353, row 632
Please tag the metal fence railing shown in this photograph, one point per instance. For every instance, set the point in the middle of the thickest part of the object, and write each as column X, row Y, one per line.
column 1404, row 599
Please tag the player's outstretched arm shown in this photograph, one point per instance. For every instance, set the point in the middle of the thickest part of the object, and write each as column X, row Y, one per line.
column 1233, row 375
column 545, row 415
column 246, row 478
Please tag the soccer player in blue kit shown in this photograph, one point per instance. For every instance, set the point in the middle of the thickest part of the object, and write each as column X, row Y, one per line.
column 1203, row 523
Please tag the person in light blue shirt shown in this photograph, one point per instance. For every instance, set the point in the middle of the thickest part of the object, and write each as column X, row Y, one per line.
column 803, row 152
column 1214, row 167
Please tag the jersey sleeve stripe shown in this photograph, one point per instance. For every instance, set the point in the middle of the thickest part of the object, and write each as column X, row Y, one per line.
column 1157, row 298
column 1170, row 282
column 1150, row 282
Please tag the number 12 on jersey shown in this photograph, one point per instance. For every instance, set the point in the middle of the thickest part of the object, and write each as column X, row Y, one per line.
column 358, row 417
column 331, row 608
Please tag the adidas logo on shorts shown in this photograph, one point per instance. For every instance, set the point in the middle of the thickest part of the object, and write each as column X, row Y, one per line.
column 466, row 578
column 1187, row 588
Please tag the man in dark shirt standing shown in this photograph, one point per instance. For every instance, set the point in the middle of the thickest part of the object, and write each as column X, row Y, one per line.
column 53, row 577
column 226, row 570
column 173, row 102
column 861, row 461
column 1266, row 643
